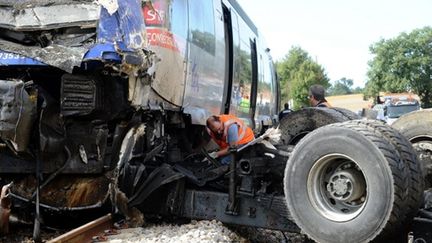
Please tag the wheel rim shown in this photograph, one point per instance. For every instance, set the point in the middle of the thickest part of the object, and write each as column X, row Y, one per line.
column 337, row 187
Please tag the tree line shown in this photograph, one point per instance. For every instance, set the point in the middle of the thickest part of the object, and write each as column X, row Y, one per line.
column 399, row 64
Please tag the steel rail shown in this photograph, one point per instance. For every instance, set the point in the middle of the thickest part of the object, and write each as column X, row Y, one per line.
column 86, row 232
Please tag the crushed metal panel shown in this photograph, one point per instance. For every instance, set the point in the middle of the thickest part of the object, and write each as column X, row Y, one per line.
column 124, row 30
column 110, row 5
column 17, row 113
column 62, row 57
column 125, row 25
column 7, row 58
column 48, row 17
column 21, row 4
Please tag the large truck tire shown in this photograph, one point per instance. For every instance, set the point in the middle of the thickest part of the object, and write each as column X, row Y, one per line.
column 414, row 194
column 417, row 128
column 346, row 182
column 347, row 113
column 297, row 124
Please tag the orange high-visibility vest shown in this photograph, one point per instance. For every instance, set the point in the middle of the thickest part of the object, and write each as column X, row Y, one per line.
column 245, row 133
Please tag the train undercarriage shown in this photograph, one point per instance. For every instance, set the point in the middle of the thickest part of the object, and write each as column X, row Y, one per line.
column 154, row 164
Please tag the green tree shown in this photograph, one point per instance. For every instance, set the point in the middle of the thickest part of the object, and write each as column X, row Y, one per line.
column 308, row 73
column 357, row 90
column 341, row 87
column 297, row 72
column 402, row 64
column 285, row 69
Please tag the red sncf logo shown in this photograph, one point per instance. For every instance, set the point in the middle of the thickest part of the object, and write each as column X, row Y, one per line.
column 154, row 14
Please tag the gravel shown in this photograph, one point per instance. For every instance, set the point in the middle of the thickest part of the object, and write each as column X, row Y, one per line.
column 196, row 231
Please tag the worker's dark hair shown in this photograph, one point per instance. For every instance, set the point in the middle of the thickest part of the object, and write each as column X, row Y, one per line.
column 318, row 92
column 212, row 119
column 286, row 106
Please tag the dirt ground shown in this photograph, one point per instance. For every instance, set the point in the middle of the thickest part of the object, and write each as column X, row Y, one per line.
column 352, row 102
column 356, row 103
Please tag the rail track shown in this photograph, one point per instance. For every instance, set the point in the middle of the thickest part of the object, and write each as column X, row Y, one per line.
column 107, row 229
column 94, row 231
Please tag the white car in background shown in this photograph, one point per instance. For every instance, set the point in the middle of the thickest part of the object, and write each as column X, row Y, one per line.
column 395, row 108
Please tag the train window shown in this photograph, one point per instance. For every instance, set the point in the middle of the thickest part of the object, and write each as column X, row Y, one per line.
column 178, row 14
column 202, row 25
column 241, row 95
column 266, row 89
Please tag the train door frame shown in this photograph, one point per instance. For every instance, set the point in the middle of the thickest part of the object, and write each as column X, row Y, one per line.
column 254, row 88
column 229, row 59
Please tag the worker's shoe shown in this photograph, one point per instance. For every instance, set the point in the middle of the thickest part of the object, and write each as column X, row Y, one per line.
column 216, row 172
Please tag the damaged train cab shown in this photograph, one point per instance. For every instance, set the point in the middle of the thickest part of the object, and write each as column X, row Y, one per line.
column 105, row 102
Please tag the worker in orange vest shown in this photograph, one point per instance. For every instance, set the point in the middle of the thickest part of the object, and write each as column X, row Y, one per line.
column 228, row 131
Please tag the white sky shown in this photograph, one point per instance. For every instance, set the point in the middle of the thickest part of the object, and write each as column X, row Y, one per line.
column 336, row 33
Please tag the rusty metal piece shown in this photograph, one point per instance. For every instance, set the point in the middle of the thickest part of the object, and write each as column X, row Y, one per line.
column 66, row 191
column 5, row 204
column 86, row 232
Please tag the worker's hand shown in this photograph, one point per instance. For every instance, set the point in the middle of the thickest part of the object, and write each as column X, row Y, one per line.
column 214, row 155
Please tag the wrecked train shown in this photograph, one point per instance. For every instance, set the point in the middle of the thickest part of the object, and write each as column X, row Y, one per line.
column 114, row 93
column 104, row 103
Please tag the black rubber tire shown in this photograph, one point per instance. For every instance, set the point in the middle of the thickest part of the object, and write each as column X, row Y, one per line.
column 379, row 164
column 414, row 194
column 347, row 113
column 297, row 124
column 415, row 124
column 417, row 128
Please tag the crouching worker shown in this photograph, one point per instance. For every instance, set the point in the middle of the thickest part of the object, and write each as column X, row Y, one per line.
column 228, row 131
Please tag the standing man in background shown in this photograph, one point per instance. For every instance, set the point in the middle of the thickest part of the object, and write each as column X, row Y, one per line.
column 317, row 96
column 285, row 111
